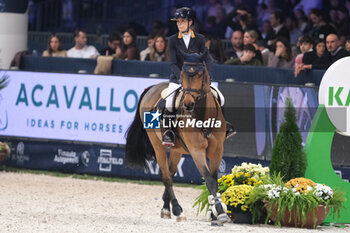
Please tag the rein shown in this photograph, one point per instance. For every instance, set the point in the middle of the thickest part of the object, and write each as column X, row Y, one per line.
column 202, row 95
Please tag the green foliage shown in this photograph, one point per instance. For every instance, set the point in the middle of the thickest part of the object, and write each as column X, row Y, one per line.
column 289, row 200
column 202, row 200
column 3, row 82
column 247, row 173
column 288, row 157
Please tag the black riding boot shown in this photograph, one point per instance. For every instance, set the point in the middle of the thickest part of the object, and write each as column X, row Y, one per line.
column 168, row 138
column 230, row 130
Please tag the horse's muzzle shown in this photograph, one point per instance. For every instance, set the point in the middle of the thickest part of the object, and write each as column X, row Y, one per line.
column 189, row 107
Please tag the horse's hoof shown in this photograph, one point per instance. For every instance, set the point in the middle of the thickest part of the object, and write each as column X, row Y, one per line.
column 181, row 218
column 223, row 218
column 216, row 223
column 164, row 213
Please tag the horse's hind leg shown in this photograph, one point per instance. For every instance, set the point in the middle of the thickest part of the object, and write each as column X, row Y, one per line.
column 169, row 195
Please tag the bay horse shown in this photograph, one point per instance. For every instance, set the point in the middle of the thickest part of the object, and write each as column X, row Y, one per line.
column 198, row 102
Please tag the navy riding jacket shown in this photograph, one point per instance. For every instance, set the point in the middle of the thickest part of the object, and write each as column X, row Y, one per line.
column 177, row 44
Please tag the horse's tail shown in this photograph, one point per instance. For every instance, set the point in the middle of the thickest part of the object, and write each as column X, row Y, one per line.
column 138, row 147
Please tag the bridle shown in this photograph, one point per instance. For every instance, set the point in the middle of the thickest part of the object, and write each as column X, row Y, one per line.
column 191, row 69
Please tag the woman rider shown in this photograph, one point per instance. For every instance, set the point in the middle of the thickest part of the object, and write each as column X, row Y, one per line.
column 186, row 41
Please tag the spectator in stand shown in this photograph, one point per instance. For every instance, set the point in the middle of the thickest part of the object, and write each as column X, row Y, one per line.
column 210, row 25
column 248, row 57
column 301, row 20
column 278, row 30
column 347, row 43
column 282, row 57
column 221, row 24
column 334, row 53
column 265, row 29
column 81, row 50
column 213, row 6
column 262, row 15
column 313, row 57
column 129, row 50
column 241, row 19
column 237, row 45
column 343, row 21
column 307, row 5
column 227, row 5
column 158, row 28
column 54, row 48
column 251, row 37
column 113, row 42
column 146, row 51
column 306, row 44
column 216, row 50
column 347, row 5
column 294, row 32
column 333, row 17
column 320, row 29
column 159, row 50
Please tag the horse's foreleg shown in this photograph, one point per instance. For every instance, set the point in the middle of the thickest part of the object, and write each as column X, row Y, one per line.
column 215, row 157
column 218, row 208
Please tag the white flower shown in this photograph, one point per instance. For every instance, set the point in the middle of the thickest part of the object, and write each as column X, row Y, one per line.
column 323, row 191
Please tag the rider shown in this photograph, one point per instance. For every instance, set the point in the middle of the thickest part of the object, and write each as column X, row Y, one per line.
column 186, row 41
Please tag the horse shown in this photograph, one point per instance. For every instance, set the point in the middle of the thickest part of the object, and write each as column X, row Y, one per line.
column 201, row 143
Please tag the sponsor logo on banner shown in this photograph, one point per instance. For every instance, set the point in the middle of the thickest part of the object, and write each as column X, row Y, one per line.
column 19, row 156
column 85, row 158
column 52, row 106
column 151, row 120
column 106, row 160
column 64, row 157
column 153, row 168
column 334, row 94
column 222, row 168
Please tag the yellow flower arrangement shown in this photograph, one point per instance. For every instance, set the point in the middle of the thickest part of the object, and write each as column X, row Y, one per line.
column 235, row 197
column 300, row 185
column 235, row 187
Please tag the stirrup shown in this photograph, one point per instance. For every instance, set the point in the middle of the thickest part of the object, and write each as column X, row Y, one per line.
column 230, row 130
column 168, row 138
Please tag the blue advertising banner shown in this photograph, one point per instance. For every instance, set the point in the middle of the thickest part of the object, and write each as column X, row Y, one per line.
column 110, row 161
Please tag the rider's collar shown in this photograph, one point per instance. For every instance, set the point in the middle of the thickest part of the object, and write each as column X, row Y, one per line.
column 192, row 34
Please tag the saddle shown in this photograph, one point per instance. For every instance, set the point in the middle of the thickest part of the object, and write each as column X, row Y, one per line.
column 177, row 99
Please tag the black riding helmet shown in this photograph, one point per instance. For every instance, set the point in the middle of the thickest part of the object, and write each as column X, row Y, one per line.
column 184, row 13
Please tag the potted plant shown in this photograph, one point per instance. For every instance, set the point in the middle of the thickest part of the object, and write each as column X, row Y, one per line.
column 298, row 203
column 235, row 189
column 5, row 151
column 288, row 157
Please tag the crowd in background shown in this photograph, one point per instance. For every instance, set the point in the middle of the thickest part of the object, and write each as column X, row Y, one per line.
column 304, row 34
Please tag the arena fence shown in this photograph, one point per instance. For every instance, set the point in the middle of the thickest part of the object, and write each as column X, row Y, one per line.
column 55, row 133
